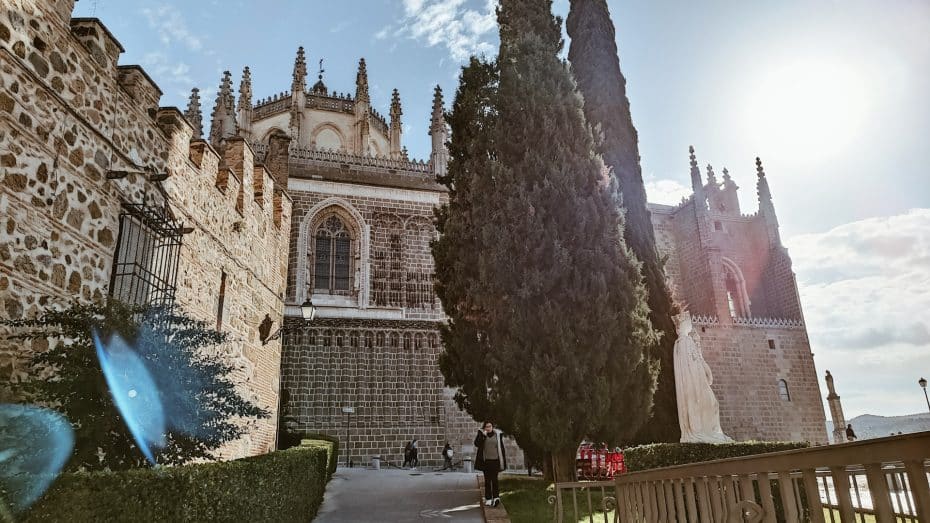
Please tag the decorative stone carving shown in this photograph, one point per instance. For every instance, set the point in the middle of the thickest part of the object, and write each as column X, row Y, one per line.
column 698, row 410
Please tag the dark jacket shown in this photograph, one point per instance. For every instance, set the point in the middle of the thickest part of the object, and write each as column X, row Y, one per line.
column 479, row 454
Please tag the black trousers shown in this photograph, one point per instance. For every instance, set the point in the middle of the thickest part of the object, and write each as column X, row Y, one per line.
column 492, row 468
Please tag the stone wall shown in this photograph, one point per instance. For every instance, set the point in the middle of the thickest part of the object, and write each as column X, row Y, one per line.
column 68, row 115
column 746, row 373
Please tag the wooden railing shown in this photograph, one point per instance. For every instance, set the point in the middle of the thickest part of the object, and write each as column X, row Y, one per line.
column 886, row 479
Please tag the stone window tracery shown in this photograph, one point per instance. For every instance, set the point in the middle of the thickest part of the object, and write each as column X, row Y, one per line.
column 332, row 257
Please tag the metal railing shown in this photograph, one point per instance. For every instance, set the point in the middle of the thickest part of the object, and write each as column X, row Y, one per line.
column 885, row 479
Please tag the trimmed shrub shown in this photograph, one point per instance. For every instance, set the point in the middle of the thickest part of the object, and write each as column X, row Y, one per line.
column 332, row 448
column 658, row 455
column 282, row 486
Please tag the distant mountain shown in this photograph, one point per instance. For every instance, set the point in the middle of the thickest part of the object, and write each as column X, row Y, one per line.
column 869, row 426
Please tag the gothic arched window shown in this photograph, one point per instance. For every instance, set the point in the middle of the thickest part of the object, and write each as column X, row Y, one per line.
column 332, row 272
column 783, row 393
column 737, row 296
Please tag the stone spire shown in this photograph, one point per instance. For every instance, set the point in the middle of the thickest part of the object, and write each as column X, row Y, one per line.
column 362, row 111
column 299, row 81
column 319, row 87
column 711, row 177
column 223, row 119
column 396, row 125
column 766, row 207
column 193, row 114
column 439, row 132
column 836, row 412
column 244, row 107
column 361, row 83
column 298, row 95
column 700, row 201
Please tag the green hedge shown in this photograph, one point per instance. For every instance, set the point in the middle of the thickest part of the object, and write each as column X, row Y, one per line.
column 286, row 485
column 658, row 455
column 332, row 448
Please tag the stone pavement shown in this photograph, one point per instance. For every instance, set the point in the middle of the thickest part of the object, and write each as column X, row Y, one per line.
column 393, row 495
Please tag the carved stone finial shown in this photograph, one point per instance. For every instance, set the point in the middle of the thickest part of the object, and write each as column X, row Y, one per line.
column 692, row 157
column 319, row 87
column 437, row 118
column 361, row 82
column 762, row 186
column 194, row 115
column 299, row 81
column 223, row 119
column 245, row 90
column 711, row 177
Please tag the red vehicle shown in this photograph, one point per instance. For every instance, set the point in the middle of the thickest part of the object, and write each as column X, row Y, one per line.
column 598, row 463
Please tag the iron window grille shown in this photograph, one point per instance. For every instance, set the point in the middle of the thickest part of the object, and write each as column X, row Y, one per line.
column 145, row 267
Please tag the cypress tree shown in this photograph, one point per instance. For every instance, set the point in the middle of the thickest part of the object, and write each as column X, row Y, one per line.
column 549, row 329
column 596, row 67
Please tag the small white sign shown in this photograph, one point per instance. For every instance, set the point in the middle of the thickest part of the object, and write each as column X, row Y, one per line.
column 348, row 410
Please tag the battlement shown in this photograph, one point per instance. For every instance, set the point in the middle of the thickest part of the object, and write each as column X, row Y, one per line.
column 328, row 158
column 777, row 323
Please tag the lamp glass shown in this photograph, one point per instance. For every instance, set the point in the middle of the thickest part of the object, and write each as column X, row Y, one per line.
column 922, row 382
column 307, row 310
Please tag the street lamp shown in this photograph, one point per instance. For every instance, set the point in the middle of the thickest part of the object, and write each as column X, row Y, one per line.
column 923, row 384
column 307, row 311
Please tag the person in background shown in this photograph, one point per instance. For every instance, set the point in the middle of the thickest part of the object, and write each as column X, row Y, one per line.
column 414, row 454
column 408, row 453
column 491, row 459
column 447, row 454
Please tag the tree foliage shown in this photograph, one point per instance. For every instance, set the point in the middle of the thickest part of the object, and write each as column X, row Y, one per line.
column 596, row 67
column 184, row 358
column 549, row 328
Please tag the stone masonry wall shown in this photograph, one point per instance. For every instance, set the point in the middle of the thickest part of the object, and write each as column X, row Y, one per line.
column 746, row 373
column 68, row 114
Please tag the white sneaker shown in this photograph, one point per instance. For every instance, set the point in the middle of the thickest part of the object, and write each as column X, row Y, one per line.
column 496, row 502
column 488, row 502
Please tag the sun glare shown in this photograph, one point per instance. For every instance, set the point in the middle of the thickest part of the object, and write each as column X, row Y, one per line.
column 806, row 111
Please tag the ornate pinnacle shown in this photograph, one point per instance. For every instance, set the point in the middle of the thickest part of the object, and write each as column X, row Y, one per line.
column 396, row 110
column 361, row 82
column 762, row 186
column 711, row 177
column 223, row 119
column 692, row 157
column 245, row 90
column 437, row 120
column 726, row 175
column 299, row 81
column 194, row 115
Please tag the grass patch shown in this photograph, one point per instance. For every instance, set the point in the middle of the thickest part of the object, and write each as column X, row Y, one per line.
column 527, row 501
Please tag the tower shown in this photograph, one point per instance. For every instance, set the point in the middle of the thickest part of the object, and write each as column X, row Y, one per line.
column 836, row 411
column 439, row 158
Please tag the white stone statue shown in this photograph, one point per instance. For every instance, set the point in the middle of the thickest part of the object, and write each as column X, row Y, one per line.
column 698, row 410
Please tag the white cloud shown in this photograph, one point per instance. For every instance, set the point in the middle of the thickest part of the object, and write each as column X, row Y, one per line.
column 171, row 73
column 171, row 28
column 666, row 192
column 865, row 287
column 461, row 29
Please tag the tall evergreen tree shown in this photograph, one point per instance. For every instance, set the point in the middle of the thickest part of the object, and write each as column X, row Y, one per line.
column 596, row 67
column 549, row 327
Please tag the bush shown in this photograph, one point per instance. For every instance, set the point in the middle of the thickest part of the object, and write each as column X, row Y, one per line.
column 332, row 448
column 658, row 455
column 281, row 486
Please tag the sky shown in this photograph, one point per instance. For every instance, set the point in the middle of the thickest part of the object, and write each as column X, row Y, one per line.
column 831, row 94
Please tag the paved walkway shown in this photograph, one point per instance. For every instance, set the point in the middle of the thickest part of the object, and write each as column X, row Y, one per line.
column 360, row 495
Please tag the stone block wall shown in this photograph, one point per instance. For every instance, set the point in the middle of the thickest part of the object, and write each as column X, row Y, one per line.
column 68, row 115
column 746, row 373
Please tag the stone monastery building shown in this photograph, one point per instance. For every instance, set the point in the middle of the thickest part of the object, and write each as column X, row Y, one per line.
column 310, row 194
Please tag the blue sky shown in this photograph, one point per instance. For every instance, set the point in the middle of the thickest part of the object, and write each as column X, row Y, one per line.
column 830, row 93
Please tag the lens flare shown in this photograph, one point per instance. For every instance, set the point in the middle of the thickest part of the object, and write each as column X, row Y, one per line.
column 34, row 444
column 134, row 393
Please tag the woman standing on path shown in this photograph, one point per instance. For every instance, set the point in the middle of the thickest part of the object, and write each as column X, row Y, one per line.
column 491, row 459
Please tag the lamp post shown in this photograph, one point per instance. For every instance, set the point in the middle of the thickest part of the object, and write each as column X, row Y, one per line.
column 923, row 384
column 307, row 311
